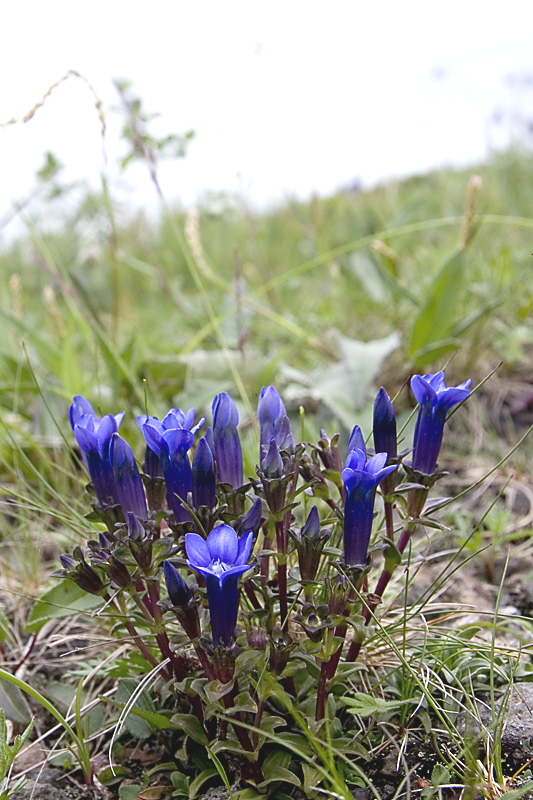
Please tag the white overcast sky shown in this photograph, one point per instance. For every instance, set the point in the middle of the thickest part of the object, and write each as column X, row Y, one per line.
column 287, row 97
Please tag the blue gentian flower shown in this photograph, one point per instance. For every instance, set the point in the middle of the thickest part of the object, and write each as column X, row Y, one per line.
column 252, row 519
column 175, row 418
column 172, row 445
column 272, row 462
column 177, row 587
column 361, row 477
column 220, row 558
column 435, row 400
column 82, row 413
column 384, row 425
column 80, row 407
column 93, row 436
column 310, row 541
column 128, row 483
column 227, row 445
column 273, row 421
column 203, row 476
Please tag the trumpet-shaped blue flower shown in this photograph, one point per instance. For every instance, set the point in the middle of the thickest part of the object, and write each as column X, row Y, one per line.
column 176, row 418
column 384, row 425
column 221, row 559
column 203, row 476
column 435, row 399
column 171, row 445
column 361, row 478
column 93, row 436
column 80, row 407
column 81, row 414
column 273, row 421
column 226, row 442
column 129, row 486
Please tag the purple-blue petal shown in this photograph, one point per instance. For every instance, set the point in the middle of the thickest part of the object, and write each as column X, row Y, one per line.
column 152, row 436
column 178, row 439
column 422, row 389
column 376, row 463
column 384, row 473
column 356, row 459
column 244, row 548
column 222, row 544
column 452, row 396
column 79, row 407
column 238, row 569
column 356, row 440
column 197, row 551
column 86, row 439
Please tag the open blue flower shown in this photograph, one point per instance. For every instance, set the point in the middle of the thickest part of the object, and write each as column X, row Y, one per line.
column 221, row 559
column 171, row 446
column 435, row 399
column 80, row 407
column 226, row 442
column 361, row 478
column 93, row 436
column 175, row 418
column 83, row 414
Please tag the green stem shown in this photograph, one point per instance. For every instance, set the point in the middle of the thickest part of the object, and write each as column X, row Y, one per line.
column 83, row 753
column 415, row 504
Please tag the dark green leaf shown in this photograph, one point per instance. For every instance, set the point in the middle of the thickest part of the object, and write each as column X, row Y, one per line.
column 191, row 726
column 65, row 599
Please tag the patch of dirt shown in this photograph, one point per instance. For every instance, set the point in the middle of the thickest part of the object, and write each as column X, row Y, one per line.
column 52, row 784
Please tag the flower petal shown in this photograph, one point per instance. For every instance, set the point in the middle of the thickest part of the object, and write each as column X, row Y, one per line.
column 178, row 440
column 80, row 407
column 356, row 440
column 86, row 439
column 356, row 459
column 153, row 435
column 222, row 544
column 244, row 548
column 376, row 463
column 197, row 551
column 422, row 389
column 238, row 569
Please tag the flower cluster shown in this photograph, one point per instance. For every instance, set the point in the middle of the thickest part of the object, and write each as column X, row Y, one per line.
column 192, row 513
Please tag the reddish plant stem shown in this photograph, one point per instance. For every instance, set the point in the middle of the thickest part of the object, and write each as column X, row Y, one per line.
column 204, row 661
column 257, row 721
column 265, row 560
column 249, row 589
column 327, row 671
column 149, row 656
column 178, row 666
column 242, row 734
column 389, row 521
